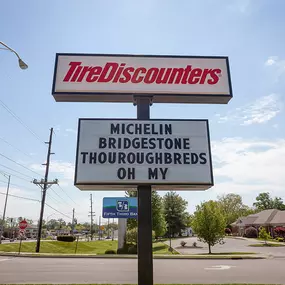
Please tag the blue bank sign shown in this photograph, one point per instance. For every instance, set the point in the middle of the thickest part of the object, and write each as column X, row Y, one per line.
column 121, row 207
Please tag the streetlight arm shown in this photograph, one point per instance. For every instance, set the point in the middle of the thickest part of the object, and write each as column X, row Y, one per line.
column 10, row 49
column 22, row 64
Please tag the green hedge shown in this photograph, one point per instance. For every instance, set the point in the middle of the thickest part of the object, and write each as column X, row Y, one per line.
column 110, row 251
column 66, row 238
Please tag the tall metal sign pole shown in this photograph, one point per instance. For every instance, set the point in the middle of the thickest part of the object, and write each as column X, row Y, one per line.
column 145, row 262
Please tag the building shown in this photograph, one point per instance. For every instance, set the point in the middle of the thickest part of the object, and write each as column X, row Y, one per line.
column 268, row 218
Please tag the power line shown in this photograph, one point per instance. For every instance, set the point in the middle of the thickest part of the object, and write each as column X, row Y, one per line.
column 16, row 171
column 16, row 185
column 19, row 164
column 35, row 200
column 20, row 197
column 14, row 175
column 55, row 200
column 58, row 211
column 60, row 196
column 14, row 147
column 20, row 120
column 67, row 194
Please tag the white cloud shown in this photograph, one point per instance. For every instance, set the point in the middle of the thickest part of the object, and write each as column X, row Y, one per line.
column 258, row 112
column 278, row 65
column 249, row 165
column 69, row 130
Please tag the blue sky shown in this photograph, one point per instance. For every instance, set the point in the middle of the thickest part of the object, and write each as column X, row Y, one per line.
column 248, row 141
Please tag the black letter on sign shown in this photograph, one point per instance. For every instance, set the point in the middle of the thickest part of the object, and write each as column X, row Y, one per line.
column 102, row 142
column 122, row 173
column 131, row 173
column 152, row 173
column 84, row 154
column 163, row 172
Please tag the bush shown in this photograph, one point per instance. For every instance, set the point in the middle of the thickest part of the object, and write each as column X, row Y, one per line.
column 194, row 244
column 110, row 251
column 122, row 250
column 228, row 231
column 280, row 231
column 183, row 243
column 66, row 238
column 280, row 239
column 132, row 236
column 133, row 250
column 251, row 232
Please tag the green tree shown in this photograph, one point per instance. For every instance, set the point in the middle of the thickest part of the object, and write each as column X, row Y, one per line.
column 263, row 234
column 232, row 207
column 265, row 202
column 209, row 223
column 158, row 220
column 175, row 212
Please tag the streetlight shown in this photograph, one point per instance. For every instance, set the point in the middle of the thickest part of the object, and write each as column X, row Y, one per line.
column 22, row 64
column 5, row 206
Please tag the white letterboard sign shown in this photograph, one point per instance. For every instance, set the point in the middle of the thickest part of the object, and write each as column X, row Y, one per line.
column 117, row 154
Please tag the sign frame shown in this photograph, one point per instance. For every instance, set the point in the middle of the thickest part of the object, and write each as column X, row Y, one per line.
column 133, row 186
column 127, row 97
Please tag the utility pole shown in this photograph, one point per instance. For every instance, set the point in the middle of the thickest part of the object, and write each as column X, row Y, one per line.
column 4, row 212
column 108, row 228
column 44, row 184
column 73, row 212
column 99, row 227
column 92, row 214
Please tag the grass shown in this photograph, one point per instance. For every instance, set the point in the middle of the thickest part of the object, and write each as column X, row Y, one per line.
column 60, row 247
column 266, row 245
column 228, row 253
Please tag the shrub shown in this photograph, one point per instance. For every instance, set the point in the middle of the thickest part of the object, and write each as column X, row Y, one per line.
column 66, row 238
column 132, row 236
column 263, row 234
column 122, row 250
column 251, row 232
column 183, row 243
column 133, row 250
column 228, row 231
column 280, row 239
column 110, row 251
column 194, row 244
column 280, row 231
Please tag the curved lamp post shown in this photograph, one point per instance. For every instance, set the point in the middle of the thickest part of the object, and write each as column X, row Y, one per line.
column 22, row 64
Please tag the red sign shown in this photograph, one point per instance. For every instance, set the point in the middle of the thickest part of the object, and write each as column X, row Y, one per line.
column 23, row 224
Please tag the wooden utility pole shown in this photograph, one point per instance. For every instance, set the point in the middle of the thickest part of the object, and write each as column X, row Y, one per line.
column 44, row 184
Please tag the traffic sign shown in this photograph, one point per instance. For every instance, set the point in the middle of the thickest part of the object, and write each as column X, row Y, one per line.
column 23, row 224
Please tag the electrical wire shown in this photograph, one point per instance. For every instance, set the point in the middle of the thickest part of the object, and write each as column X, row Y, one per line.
column 20, row 120
column 67, row 194
column 16, row 185
column 59, row 196
column 14, row 175
column 20, row 197
column 15, row 147
column 19, row 164
column 35, row 200
column 16, row 171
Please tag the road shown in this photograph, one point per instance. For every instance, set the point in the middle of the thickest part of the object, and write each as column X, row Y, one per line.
column 230, row 245
column 77, row 270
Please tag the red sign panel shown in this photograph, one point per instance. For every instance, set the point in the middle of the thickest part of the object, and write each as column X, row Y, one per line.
column 23, row 224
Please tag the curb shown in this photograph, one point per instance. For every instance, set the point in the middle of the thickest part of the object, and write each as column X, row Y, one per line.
column 186, row 257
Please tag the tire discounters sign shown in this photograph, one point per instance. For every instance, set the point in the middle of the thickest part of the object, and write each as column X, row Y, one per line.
column 117, row 154
column 115, row 78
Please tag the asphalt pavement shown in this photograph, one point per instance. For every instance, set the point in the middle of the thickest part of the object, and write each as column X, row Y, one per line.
column 124, row 271
column 230, row 245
